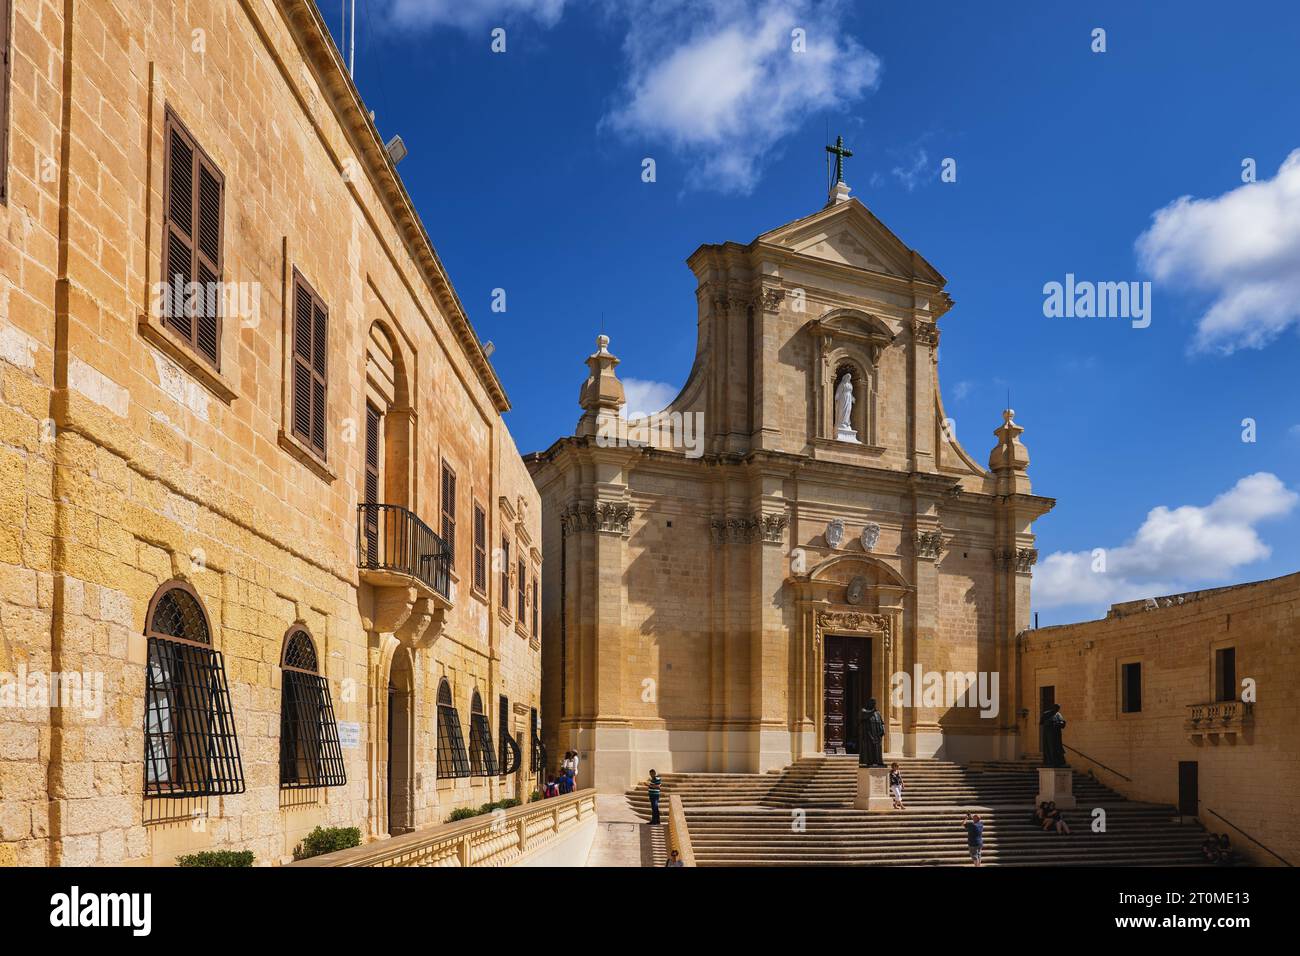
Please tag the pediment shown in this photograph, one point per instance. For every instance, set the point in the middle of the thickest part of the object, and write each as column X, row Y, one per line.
column 849, row 235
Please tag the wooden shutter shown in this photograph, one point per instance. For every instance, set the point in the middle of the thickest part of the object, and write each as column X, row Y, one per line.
column 310, row 338
column 535, row 599
column 192, row 241
column 505, row 573
column 480, row 548
column 371, row 526
column 522, row 586
column 449, row 511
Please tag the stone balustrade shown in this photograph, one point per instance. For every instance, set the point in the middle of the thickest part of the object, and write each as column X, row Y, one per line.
column 679, row 838
column 1228, row 717
column 501, row 838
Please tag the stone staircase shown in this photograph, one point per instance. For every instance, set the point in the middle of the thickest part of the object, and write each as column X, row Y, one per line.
column 803, row 816
column 831, row 782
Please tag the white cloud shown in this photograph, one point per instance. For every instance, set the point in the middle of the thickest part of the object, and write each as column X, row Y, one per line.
column 913, row 173
column 1175, row 549
column 645, row 397
column 1243, row 247
column 718, row 81
column 471, row 14
column 962, row 389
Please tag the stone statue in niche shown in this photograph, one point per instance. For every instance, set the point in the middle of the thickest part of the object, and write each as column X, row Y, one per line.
column 870, row 535
column 835, row 532
column 844, row 430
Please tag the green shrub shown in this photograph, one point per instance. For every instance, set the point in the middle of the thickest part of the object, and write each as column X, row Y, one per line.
column 217, row 858
column 464, row 813
column 327, row 840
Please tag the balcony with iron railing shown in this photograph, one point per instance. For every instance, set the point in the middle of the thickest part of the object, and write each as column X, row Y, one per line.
column 409, row 567
column 1219, row 718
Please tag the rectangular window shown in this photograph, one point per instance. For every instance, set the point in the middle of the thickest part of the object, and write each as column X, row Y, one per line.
column 535, row 603
column 505, row 573
column 522, row 611
column 480, row 549
column 4, row 101
column 310, row 338
column 1225, row 673
column 449, row 511
column 1131, row 679
column 191, row 242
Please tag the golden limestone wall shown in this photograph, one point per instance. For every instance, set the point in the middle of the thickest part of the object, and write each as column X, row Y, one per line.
column 1248, row 778
column 126, row 463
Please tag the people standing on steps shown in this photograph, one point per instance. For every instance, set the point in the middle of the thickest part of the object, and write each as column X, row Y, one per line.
column 652, row 788
column 974, row 827
column 674, row 860
column 896, row 785
column 571, row 769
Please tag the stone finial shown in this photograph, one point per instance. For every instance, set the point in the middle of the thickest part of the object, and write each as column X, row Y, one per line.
column 1009, row 459
column 602, row 392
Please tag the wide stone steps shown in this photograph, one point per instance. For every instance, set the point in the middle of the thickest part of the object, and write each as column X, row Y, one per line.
column 803, row 815
column 831, row 781
column 1136, row 835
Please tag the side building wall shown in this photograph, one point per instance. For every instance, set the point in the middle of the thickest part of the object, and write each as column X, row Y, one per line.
column 1247, row 766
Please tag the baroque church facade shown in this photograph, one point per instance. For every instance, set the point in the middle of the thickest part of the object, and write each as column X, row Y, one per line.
column 724, row 589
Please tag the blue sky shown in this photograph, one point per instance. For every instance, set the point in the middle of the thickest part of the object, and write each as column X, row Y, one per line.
column 526, row 167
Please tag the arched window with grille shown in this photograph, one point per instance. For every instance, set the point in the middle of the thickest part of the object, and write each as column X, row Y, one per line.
column 452, row 759
column 310, row 754
column 190, row 745
column 482, row 756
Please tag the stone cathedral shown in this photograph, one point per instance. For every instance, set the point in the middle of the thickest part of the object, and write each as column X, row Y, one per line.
column 727, row 583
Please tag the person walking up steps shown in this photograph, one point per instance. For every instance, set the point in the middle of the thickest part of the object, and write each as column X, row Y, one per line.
column 652, row 788
column 974, row 836
column 896, row 786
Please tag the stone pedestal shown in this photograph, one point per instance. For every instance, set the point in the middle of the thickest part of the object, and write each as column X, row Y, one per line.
column 873, row 789
column 1057, row 785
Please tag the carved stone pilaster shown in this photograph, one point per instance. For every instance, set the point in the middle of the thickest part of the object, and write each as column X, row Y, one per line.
column 929, row 544
column 772, row 299
column 743, row 529
column 925, row 334
column 607, row 517
column 1020, row 559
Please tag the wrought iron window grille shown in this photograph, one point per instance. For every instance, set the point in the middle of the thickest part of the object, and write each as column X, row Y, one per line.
column 310, row 752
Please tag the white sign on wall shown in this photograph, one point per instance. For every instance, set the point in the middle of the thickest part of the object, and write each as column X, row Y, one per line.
column 349, row 734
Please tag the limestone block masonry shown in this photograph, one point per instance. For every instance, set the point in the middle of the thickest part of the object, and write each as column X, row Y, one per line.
column 229, row 460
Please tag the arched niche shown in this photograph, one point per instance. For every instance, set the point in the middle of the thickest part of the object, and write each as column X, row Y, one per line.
column 848, row 342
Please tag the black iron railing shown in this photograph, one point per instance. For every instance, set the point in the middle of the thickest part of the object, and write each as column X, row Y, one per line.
column 391, row 538
column 1284, row 860
column 1097, row 762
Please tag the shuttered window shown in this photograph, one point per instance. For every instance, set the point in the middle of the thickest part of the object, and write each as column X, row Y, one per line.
column 522, row 611
column 310, row 340
column 505, row 573
column 535, row 600
column 449, row 511
column 371, row 520
column 4, row 101
column 480, row 549
column 192, row 234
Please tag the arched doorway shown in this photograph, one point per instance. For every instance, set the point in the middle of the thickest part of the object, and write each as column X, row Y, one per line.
column 400, row 757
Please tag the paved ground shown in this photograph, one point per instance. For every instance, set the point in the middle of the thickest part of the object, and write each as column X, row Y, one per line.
column 623, row 838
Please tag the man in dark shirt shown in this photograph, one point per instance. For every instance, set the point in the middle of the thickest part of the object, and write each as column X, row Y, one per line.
column 653, row 789
column 974, row 836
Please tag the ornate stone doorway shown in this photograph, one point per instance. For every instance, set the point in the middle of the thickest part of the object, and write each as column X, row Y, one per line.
column 846, row 687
